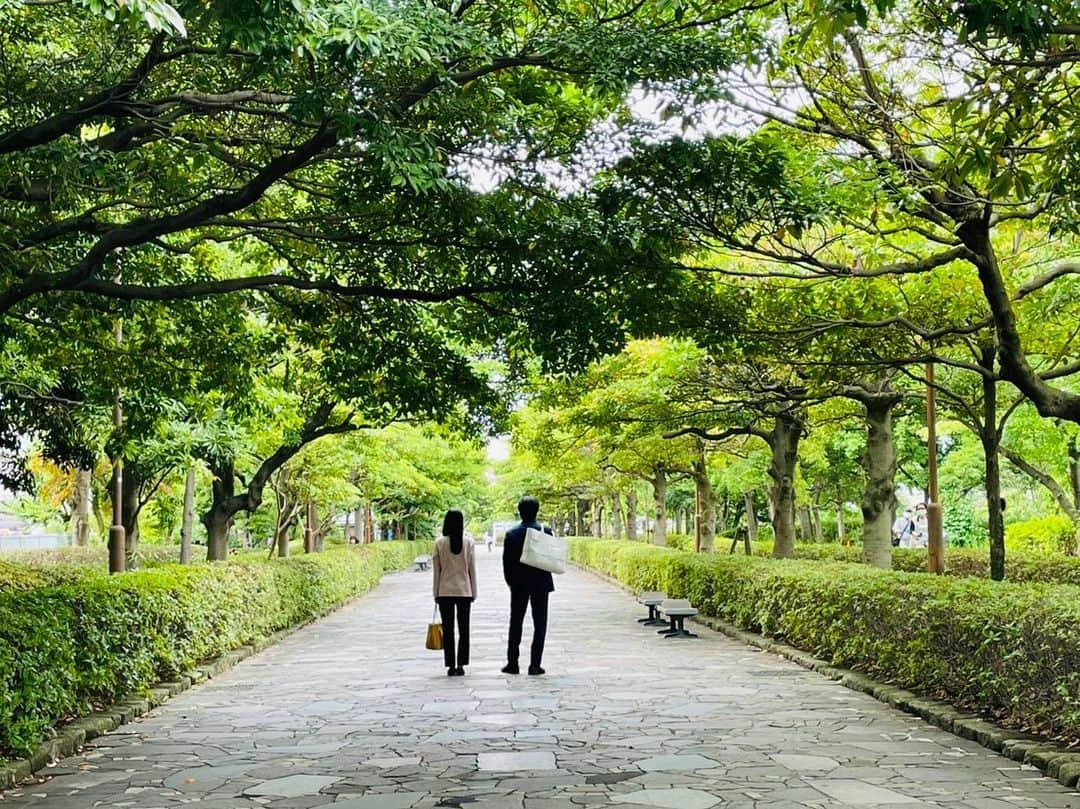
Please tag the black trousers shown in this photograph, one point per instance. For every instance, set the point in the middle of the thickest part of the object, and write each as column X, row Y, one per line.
column 519, row 601
column 447, row 607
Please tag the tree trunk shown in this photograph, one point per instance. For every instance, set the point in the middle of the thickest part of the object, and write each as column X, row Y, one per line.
column 706, row 499
column 631, row 514
column 1074, row 471
column 841, row 529
column 1063, row 498
column 133, row 481
column 218, row 522
column 218, row 518
column 659, row 483
column 226, row 504
column 815, row 524
column 99, row 515
column 806, row 532
column 323, row 528
column 187, row 517
column 879, row 492
column 784, row 444
column 990, row 436
column 369, row 523
column 597, row 509
column 616, row 515
column 80, row 513
column 751, row 517
column 1051, row 402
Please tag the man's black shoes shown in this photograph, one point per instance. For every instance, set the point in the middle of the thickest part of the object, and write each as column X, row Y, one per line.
column 511, row 668
column 535, row 670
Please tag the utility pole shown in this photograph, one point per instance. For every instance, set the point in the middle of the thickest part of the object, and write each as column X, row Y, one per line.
column 309, row 528
column 117, row 538
column 935, row 552
column 697, row 518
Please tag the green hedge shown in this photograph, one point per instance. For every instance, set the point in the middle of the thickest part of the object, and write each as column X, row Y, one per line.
column 1008, row 650
column 65, row 647
column 1019, row 566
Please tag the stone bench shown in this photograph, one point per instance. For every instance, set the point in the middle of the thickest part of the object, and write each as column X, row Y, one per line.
column 422, row 562
column 677, row 610
column 652, row 599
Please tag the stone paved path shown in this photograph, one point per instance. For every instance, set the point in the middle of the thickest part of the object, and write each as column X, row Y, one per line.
column 353, row 713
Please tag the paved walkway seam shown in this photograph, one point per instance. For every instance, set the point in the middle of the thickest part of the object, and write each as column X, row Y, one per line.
column 71, row 737
column 1059, row 763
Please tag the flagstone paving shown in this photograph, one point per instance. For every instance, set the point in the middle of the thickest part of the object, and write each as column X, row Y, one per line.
column 353, row 713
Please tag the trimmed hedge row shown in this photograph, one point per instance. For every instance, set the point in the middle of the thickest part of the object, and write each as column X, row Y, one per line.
column 65, row 647
column 1008, row 650
column 1019, row 566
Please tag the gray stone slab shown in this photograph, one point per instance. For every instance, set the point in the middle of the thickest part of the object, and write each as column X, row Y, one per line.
column 802, row 763
column 292, row 786
column 396, row 761
column 677, row 762
column 516, row 762
column 378, row 800
column 676, row 798
column 860, row 793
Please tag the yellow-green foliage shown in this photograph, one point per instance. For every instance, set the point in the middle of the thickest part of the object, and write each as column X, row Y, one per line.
column 68, row 644
column 1010, row 650
column 1045, row 535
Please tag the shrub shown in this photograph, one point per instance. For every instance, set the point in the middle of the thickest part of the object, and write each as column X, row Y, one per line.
column 1009, row 650
column 1045, row 535
column 681, row 542
column 963, row 529
column 70, row 644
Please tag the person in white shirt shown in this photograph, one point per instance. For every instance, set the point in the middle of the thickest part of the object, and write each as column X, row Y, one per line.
column 902, row 527
column 920, row 534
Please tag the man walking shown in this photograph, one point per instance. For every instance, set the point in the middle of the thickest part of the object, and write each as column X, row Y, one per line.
column 529, row 587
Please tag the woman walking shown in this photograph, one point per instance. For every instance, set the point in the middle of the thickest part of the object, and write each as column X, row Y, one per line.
column 454, row 566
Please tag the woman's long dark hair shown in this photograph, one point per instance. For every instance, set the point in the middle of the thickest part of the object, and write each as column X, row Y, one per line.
column 453, row 526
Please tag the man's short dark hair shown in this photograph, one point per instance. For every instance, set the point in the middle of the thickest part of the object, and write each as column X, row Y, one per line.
column 528, row 508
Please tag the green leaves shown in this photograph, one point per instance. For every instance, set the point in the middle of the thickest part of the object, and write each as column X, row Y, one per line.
column 156, row 15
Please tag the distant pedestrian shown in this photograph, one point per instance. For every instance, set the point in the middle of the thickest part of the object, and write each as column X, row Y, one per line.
column 529, row 589
column 489, row 539
column 453, row 563
column 902, row 529
column 920, row 534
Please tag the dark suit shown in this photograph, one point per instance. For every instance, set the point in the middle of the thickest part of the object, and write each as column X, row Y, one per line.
column 528, row 586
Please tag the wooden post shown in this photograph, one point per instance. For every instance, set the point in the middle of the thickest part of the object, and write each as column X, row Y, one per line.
column 309, row 528
column 117, row 538
column 935, row 552
column 697, row 519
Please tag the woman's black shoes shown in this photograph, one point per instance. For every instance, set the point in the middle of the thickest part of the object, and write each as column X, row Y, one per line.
column 458, row 672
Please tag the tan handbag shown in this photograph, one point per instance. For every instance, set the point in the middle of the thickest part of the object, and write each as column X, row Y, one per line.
column 434, row 633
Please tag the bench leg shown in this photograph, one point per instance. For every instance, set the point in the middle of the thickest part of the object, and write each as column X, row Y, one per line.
column 654, row 618
column 671, row 630
column 678, row 631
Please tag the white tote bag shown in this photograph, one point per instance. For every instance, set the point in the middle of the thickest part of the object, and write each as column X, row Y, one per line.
column 544, row 551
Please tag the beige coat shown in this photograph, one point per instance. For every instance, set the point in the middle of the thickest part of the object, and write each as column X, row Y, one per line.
column 455, row 573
